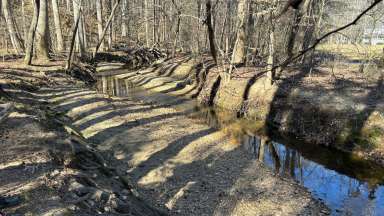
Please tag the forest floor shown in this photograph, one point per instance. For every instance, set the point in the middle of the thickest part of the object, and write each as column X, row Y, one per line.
column 160, row 157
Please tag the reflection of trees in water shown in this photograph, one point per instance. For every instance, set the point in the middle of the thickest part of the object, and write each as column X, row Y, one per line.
column 350, row 195
column 261, row 149
column 114, row 86
column 275, row 156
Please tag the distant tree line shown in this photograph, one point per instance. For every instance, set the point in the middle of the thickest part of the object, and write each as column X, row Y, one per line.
column 235, row 32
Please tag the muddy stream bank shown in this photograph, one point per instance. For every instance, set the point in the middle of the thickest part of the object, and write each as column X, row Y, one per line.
column 346, row 184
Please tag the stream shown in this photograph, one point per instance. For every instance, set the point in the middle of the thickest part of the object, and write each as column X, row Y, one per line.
column 347, row 184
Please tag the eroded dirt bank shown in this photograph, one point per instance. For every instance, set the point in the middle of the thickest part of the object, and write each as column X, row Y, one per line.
column 69, row 150
column 46, row 166
column 341, row 109
column 180, row 162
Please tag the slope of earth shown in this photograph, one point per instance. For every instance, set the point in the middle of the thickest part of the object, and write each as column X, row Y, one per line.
column 341, row 108
column 46, row 165
column 181, row 162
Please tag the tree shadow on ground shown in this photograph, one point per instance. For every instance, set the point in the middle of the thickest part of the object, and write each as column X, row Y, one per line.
column 122, row 111
column 170, row 151
column 105, row 134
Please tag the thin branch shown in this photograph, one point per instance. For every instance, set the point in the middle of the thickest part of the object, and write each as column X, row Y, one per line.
column 317, row 41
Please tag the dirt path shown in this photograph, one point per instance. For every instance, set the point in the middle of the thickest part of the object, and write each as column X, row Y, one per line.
column 181, row 162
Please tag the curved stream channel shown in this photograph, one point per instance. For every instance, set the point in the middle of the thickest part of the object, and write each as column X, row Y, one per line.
column 346, row 184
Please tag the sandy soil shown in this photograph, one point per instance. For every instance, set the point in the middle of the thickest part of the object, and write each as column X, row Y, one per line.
column 47, row 164
column 180, row 162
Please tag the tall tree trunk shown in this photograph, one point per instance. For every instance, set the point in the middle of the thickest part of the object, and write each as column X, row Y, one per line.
column 25, row 30
column 110, row 27
column 42, row 32
column 32, row 33
column 99, row 15
column 211, row 32
column 56, row 17
column 297, row 32
column 75, row 31
column 80, row 34
column 239, row 51
column 146, row 20
column 124, row 26
column 251, row 31
column 176, row 35
column 85, row 42
column 271, row 47
column 154, row 33
column 68, row 5
column 16, row 40
column 106, row 27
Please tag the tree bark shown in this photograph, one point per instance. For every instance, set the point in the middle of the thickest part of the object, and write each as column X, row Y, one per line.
column 72, row 45
column 146, row 17
column 99, row 15
column 42, row 32
column 25, row 31
column 56, row 17
column 239, row 51
column 80, row 34
column 16, row 40
column 211, row 32
column 124, row 26
column 32, row 33
column 271, row 47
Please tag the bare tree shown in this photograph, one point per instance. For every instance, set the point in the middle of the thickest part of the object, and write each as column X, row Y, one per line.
column 211, row 32
column 80, row 40
column 32, row 33
column 42, row 32
column 106, row 27
column 99, row 15
column 239, row 51
column 16, row 40
column 56, row 18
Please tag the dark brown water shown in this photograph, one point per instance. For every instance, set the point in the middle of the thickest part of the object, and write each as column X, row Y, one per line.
column 347, row 184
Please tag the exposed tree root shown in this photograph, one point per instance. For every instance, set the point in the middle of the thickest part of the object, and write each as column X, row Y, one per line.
column 84, row 191
column 8, row 108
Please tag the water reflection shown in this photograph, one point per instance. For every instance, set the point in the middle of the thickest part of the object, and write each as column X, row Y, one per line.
column 345, row 195
column 347, row 185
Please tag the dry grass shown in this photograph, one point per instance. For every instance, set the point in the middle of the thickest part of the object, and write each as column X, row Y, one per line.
column 354, row 51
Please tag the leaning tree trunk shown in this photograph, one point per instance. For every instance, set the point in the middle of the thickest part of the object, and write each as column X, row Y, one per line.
column 72, row 44
column 32, row 33
column 42, row 32
column 106, row 28
column 79, row 36
column 239, row 51
column 56, row 18
column 16, row 40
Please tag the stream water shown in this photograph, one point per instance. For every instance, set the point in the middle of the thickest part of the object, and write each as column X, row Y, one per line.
column 345, row 183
